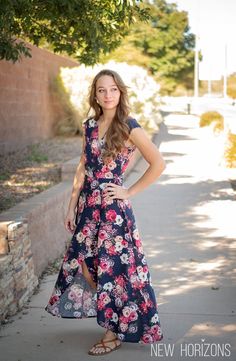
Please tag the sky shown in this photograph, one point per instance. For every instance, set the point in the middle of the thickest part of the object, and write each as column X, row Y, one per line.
column 215, row 23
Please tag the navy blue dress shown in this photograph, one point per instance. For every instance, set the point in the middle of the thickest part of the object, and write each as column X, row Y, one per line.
column 106, row 237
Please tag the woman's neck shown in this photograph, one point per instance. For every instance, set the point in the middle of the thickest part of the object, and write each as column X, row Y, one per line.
column 107, row 116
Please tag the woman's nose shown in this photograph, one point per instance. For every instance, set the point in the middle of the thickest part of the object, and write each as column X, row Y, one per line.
column 108, row 94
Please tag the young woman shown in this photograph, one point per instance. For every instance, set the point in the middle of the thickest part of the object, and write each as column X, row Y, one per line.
column 104, row 273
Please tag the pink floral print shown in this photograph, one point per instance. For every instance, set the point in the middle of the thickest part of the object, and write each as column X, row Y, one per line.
column 107, row 239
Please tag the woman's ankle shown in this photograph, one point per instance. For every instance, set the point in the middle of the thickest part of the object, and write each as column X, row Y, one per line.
column 109, row 334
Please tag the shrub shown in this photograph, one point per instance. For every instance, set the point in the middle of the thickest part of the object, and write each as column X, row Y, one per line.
column 230, row 151
column 231, row 86
column 214, row 117
column 67, row 121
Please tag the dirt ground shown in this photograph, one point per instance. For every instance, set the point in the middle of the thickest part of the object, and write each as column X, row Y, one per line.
column 35, row 168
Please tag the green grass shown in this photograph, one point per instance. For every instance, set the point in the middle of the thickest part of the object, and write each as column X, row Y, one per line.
column 43, row 188
column 6, row 203
column 4, row 176
column 36, row 155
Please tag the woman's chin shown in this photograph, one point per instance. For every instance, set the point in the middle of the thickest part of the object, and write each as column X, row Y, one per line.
column 109, row 106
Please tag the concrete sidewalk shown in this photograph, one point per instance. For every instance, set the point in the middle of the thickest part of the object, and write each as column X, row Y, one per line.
column 186, row 220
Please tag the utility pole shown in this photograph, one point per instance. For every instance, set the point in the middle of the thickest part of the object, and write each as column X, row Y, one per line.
column 196, row 68
column 209, row 86
column 225, row 74
column 196, row 53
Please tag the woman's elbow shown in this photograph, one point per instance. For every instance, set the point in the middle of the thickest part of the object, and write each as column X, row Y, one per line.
column 160, row 166
column 163, row 164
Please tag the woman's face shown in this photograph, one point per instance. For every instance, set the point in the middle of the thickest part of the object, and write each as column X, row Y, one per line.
column 107, row 92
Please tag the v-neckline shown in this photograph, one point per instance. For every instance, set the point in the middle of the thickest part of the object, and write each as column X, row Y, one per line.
column 100, row 140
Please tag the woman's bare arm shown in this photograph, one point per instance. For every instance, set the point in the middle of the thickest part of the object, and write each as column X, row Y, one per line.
column 78, row 181
column 77, row 185
column 156, row 162
column 152, row 155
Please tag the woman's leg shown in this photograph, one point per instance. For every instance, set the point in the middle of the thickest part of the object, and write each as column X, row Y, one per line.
column 88, row 276
column 109, row 335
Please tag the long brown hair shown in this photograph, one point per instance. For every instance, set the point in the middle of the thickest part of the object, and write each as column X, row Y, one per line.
column 118, row 131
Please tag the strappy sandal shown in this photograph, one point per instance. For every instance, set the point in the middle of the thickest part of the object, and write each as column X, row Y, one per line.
column 105, row 347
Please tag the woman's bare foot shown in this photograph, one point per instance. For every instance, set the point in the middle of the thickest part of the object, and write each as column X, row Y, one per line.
column 108, row 343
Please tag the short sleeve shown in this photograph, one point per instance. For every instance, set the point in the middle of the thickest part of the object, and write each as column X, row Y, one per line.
column 132, row 123
column 83, row 135
column 84, row 124
column 83, row 128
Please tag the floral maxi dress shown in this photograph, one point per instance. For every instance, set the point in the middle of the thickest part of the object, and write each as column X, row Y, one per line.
column 106, row 238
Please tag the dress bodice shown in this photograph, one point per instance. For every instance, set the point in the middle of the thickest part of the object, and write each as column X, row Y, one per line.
column 95, row 168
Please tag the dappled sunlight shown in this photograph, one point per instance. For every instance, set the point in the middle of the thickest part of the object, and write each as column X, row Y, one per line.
column 229, row 328
column 27, row 181
column 196, row 160
column 176, row 179
column 219, row 219
column 210, row 265
column 154, row 252
column 189, row 235
column 205, row 244
column 30, row 177
column 211, row 329
column 194, row 274
column 44, row 167
column 223, row 193
column 180, row 289
column 29, row 184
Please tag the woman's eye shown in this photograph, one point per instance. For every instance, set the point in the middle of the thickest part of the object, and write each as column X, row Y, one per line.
column 112, row 89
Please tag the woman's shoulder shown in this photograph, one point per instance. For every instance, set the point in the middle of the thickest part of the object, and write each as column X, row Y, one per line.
column 132, row 123
column 88, row 121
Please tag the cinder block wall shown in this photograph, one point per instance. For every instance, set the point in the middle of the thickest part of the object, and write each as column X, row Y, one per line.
column 28, row 108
